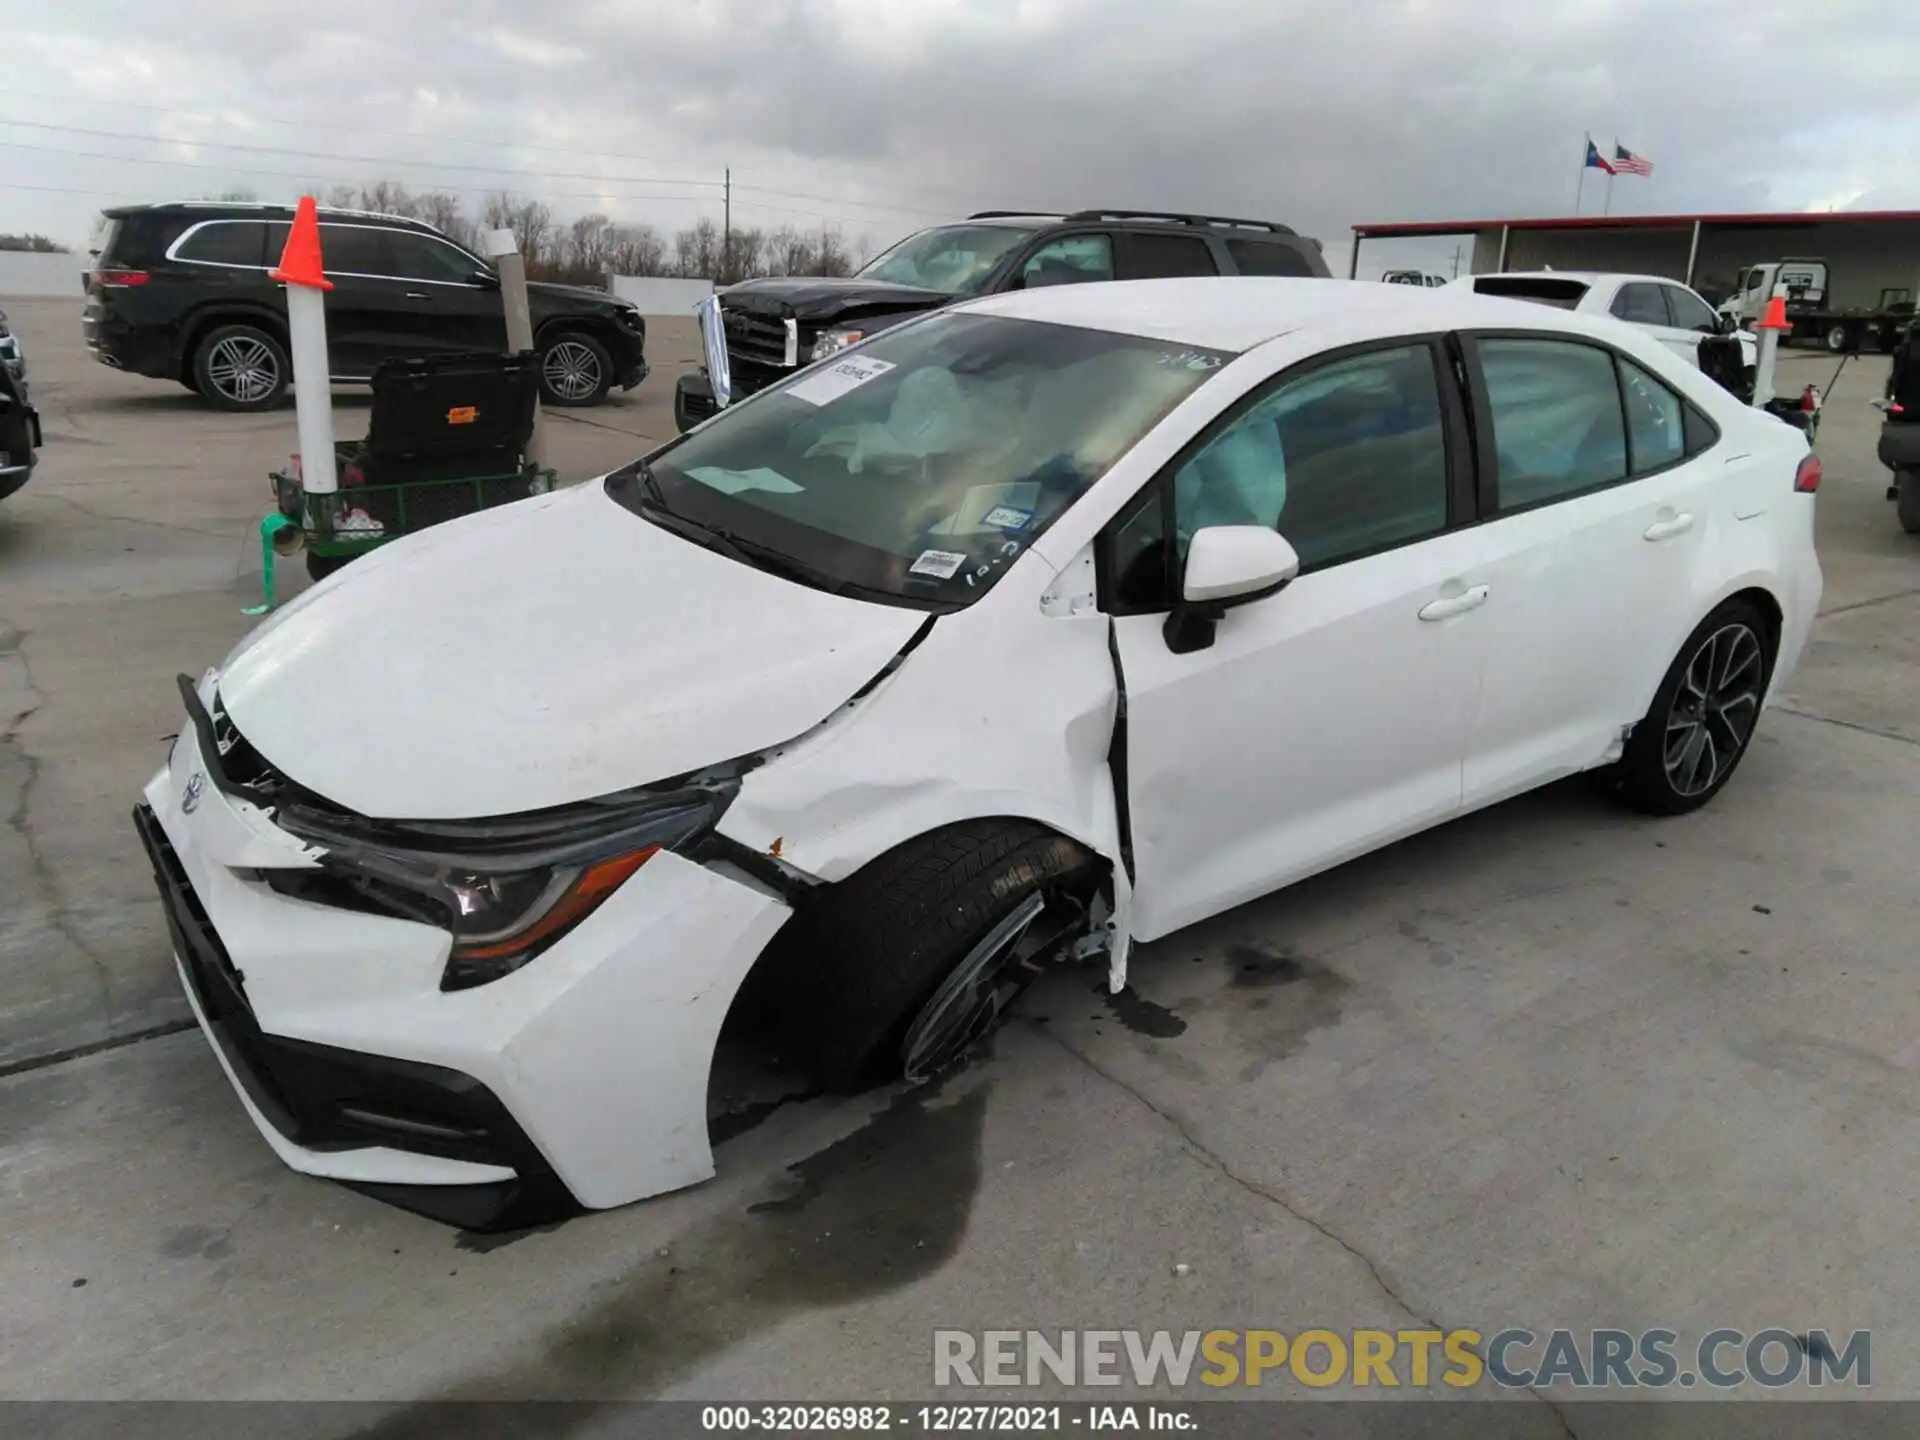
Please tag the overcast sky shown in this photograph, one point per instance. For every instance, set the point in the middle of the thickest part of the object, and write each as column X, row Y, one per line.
column 882, row 115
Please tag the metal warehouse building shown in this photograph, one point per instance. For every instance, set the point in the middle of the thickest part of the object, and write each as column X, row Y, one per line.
column 1873, row 256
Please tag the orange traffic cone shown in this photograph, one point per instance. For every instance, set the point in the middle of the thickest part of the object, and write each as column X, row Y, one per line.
column 300, row 261
column 1775, row 317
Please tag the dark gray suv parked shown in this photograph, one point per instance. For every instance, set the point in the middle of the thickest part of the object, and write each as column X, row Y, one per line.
column 181, row 292
column 774, row 326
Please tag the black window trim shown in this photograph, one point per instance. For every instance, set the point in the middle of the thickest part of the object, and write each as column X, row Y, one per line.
column 1487, row 455
column 1457, row 431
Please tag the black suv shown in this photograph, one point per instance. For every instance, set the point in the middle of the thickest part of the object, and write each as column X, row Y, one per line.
column 181, row 292
column 775, row 326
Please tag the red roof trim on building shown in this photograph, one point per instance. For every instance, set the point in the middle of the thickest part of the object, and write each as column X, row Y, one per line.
column 1391, row 229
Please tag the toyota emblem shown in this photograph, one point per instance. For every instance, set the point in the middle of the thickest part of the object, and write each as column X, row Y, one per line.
column 190, row 797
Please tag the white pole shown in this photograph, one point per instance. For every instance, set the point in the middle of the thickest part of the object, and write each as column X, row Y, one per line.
column 512, row 269
column 1765, row 353
column 312, row 388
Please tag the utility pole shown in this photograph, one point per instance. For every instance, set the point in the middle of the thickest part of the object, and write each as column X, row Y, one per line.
column 1456, row 262
column 726, row 231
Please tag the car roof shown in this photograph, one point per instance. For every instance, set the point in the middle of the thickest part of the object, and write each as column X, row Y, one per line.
column 1585, row 277
column 248, row 210
column 1237, row 312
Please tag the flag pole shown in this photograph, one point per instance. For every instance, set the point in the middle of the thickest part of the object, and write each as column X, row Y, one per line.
column 1581, row 189
column 1607, row 207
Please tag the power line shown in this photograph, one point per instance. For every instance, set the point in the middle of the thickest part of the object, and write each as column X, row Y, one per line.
column 390, row 160
column 437, row 137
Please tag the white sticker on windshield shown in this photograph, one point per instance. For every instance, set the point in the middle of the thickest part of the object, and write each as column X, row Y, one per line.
column 732, row 482
column 830, row 382
column 941, row 564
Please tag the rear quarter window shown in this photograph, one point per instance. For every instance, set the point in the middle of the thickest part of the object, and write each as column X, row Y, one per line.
column 1267, row 257
column 226, row 242
column 133, row 242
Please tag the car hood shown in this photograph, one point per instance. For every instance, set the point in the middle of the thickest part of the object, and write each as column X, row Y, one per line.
column 806, row 298
column 570, row 294
column 539, row 654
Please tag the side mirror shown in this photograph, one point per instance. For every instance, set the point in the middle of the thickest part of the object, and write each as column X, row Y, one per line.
column 1725, row 325
column 1227, row 565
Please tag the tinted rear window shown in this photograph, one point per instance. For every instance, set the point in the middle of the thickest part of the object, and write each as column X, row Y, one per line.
column 226, row 242
column 133, row 242
column 1267, row 257
column 1562, row 294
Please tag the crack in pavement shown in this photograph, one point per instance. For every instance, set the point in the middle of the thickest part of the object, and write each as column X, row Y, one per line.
column 21, row 820
column 1273, row 1197
column 1846, row 725
column 1863, row 604
column 136, row 520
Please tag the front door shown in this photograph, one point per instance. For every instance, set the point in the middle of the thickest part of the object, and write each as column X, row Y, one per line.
column 1332, row 717
column 451, row 304
column 1644, row 304
column 363, row 307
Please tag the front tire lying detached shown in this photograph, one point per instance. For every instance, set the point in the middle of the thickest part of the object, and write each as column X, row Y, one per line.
column 241, row 367
column 575, row 369
column 1703, row 716
column 901, row 968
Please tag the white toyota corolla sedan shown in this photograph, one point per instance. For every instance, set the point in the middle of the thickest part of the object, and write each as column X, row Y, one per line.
column 1039, row 626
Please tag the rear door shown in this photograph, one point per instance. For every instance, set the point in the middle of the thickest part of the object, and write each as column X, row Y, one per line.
column 1693, row 319
column 367, row 319
column 1598, row 497
column 1269, row 257
column 1643, row 303
column 446, row 307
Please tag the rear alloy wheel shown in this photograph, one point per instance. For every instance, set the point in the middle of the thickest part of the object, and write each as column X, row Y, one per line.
column 240, row 367
column 1703, row 717
column 575, row 369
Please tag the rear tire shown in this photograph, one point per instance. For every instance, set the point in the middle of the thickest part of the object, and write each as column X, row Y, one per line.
column 241, row 368
column 1703, row 715
column 1907, row 500
column 575, row 369
column 1838, row 337
column 849, row 979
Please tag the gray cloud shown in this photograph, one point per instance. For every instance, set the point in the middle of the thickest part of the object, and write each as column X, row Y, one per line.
column 1319, row 114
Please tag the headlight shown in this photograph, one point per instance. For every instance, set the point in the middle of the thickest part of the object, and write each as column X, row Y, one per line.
column 832, row 342
column 505, row 889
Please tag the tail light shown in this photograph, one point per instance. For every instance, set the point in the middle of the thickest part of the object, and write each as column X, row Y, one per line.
column 119, row 279
column 1806, row 480
column 1894, row 407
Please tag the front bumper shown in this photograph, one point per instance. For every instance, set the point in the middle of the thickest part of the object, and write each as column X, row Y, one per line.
column 578, row 1081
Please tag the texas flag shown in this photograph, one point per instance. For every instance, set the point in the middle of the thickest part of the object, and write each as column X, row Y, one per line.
column 1597, row 161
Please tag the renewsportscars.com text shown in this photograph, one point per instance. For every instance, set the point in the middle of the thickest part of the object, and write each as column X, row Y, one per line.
column 1512, row 1359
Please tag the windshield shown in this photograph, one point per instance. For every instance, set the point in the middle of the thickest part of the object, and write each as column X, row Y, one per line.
column 954, row 259
column 920, row 465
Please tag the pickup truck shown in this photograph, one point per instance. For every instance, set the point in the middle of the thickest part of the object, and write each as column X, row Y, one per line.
column 760, row 331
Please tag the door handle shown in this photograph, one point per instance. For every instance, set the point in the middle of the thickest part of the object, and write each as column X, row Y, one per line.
column 1671, row 526
column 416, row 295
column 1450, row 605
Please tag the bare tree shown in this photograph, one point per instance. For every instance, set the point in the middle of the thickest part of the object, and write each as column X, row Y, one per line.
column 638, row 250
column 833, row 258
column 343, row 197
column 388, row 197
column 530, row 221
column 443, row 212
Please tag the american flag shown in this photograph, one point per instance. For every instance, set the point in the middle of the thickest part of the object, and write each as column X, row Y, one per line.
column 1625, row 162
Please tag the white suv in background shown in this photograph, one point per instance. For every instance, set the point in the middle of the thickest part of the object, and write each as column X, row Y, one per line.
column 1673, row 314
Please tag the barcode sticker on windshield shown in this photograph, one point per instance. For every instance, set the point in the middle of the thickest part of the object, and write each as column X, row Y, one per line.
column 831, row 381
column 941, row 564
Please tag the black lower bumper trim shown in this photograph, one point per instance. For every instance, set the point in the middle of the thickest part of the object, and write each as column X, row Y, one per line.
column 324, row 1098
